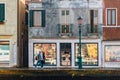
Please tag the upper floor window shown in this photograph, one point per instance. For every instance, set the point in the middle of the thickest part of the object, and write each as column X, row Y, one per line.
column 65, row 12
column 65, row 28
column 111, row 17
column 93, row 21
column 65, row 20
column 2, row 12
column 37, row 18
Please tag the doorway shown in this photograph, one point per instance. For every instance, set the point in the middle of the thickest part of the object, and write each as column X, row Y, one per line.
column 65, row 54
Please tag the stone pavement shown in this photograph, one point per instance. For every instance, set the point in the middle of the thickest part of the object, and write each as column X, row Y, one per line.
column 60, row 74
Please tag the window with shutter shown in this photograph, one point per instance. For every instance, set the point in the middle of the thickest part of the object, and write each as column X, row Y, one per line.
column 43, row 18
column 37, row 18
column 2, row 12
column 93, row 21
column 31, row 18
column 65, row 21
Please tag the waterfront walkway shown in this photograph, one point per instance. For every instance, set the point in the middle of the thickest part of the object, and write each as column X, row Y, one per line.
column 59, row 74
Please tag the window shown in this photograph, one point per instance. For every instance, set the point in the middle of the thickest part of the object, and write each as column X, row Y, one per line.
column 65, row 12
column 4, row 51
column 112, row 53
column 89, row 53
column 65, row 21
column 50, row 53
column 111, row 16
column 37, row 18
column 65, row 28
column 2, row 12
column 93, row 21
column 65, row 54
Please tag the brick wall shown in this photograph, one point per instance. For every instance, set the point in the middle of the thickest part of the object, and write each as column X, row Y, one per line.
column 111, row 4
column 111, row 33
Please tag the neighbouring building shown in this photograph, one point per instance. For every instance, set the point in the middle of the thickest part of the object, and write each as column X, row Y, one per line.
column 53, row 28
column 13, row 34
column 111, row 34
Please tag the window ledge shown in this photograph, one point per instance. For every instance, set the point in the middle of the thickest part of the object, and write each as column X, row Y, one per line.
column 65, row 34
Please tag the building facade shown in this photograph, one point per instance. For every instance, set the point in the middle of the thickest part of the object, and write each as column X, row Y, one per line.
column 111, row 38
column 11, row 32
column 53, row 28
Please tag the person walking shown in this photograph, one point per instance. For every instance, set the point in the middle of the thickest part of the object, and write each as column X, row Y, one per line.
column 41, row 59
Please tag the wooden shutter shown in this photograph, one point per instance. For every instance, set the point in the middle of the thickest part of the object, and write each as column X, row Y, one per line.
column 43, row 18
column 31, row 18
column 2, row 12
column 58, row 25
column 71, row 27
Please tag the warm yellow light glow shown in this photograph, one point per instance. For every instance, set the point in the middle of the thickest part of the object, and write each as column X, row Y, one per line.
column 23, row 1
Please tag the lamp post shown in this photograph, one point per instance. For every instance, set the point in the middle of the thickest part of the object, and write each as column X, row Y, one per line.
column 80, row 20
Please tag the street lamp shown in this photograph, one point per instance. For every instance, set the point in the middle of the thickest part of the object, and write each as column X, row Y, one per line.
column 80, row 20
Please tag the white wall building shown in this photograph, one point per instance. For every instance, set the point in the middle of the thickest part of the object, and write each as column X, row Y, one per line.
column 53, row 28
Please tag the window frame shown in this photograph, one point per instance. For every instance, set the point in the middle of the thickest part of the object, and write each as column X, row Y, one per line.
column 93, row 23
column 7, row 43
column 37, row 43
column 65, row 15
column 31, row 18
column 107, row 16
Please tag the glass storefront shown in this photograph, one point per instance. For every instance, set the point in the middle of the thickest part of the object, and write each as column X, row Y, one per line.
column 89, row 53
column 65, row 54
column 112, row 53
column 50, row 52
column 4, row 51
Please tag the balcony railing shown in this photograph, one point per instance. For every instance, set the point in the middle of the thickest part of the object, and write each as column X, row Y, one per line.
column 94, row 31
column 65, row 30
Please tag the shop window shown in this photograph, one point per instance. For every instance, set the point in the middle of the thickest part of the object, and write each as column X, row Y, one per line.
column 0, row 53
column 89, row 53
column 37, row 18
column 65, row 54
column 50, row 52
column 4, row 51
column 2, row 12
column 112, row 53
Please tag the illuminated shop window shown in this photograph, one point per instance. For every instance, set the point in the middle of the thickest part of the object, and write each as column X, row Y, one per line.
column 65, row 54
column 50, row 52
column 4, row 51
column 89, row 53
column 112, row 53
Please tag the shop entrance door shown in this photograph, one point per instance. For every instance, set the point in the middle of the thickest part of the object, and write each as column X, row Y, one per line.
column 65, row 54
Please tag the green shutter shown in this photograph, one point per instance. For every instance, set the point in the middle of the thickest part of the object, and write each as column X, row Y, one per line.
column 43, row 18
column 2, row 12
column 58, row 28
column 31, row 18
column 71, row 27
